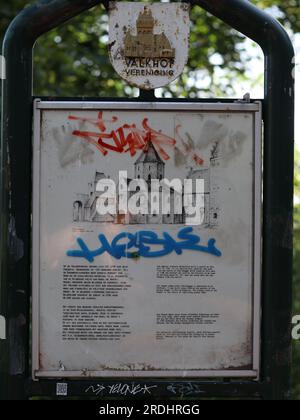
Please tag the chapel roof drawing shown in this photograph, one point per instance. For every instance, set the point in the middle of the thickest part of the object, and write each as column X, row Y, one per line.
column 149, row 155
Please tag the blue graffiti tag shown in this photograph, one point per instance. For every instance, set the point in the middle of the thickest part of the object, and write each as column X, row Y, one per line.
column 142, row 242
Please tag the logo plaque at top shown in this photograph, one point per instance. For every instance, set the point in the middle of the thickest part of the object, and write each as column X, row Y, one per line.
column 149, row 43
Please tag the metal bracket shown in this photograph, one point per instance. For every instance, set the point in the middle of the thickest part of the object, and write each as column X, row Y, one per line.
column 246, row 99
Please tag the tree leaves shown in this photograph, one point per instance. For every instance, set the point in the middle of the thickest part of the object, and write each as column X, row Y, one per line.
column 72, row 60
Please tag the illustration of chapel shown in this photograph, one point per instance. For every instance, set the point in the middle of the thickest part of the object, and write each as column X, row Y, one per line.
column 149, row 166
column 85, row 205
column 146, row 44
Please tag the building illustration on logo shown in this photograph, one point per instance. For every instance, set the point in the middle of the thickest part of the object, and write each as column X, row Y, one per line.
column 147, row 44
column 149, row 166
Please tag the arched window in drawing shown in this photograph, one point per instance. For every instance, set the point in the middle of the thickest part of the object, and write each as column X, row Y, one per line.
column 77, row 211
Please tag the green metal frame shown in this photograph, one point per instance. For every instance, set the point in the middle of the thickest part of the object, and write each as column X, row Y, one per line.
column 16, row 195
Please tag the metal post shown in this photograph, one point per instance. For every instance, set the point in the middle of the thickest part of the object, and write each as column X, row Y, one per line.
column 15, row 183
column 16, row 157
column 278, row 185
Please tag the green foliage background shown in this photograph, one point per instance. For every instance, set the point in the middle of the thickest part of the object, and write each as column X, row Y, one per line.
column 72, row 61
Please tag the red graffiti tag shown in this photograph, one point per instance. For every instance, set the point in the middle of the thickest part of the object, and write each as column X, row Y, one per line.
column 127, row 138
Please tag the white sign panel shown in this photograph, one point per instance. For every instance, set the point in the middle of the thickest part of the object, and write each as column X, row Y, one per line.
column 156, row 285
column 148, row 44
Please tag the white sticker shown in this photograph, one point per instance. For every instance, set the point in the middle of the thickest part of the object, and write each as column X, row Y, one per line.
column 61, row 389
column 2, row 328
column 2, row 67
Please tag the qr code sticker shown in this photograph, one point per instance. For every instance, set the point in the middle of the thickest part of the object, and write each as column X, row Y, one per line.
column 61, row 390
